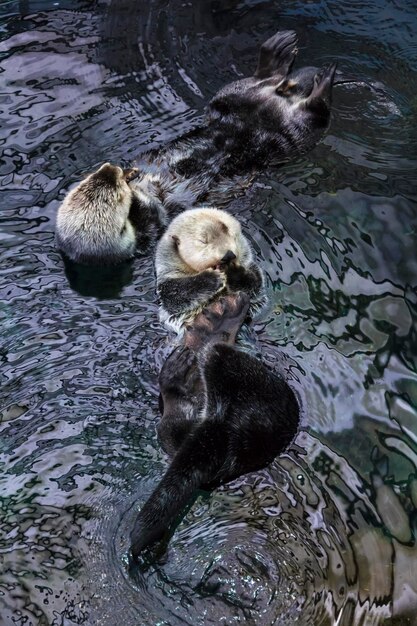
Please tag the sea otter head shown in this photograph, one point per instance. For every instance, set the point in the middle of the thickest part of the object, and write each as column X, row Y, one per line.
column 110, row 181
column 93, row 223
column 207, row 238
column 309, row 87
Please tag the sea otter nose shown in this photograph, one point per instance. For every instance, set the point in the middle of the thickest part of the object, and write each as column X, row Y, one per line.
column 229, row 256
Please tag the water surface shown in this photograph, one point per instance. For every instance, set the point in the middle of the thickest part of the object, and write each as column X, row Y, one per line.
column 324, row 536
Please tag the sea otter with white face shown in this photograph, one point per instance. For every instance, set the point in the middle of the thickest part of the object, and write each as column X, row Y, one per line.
column 203, row 254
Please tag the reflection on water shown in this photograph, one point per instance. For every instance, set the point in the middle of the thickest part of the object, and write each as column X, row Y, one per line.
column 324, row 536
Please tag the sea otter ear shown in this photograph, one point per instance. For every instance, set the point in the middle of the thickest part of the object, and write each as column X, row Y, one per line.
column 175, row 240
column 277, row 55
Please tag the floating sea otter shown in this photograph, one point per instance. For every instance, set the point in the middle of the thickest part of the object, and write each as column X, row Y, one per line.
column 203, row 254
column 274, row 115
column 103, row 220
column 224, row 414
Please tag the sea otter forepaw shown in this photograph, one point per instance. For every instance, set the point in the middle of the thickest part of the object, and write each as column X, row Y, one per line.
column 218, row 279
column 237, row 277
column 130, row 174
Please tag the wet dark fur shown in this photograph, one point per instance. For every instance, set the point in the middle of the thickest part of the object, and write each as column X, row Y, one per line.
column 249, row 122
column 148, row 221
column 224, row 414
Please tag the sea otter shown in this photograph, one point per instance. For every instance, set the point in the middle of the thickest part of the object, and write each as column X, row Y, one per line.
column 202, row 254
column 104, row 221
column 274, row 115
column 224, row 414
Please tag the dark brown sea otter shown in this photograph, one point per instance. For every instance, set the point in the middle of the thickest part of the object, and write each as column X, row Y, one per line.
column 224, row 414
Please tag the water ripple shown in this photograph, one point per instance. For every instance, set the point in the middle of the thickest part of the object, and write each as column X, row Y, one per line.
column 326, row 534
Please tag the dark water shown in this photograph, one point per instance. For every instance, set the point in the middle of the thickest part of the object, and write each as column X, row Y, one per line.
column 324, row 536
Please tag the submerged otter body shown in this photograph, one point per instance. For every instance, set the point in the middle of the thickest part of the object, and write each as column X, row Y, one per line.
column 202, row 255
column 224, row 414
column 273, row 116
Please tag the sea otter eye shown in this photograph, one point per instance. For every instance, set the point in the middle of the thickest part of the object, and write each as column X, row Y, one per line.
column 203, row 241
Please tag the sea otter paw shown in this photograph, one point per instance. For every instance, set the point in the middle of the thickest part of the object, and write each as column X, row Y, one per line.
column 322, row 86
column 277, row 55
column 130, row 174
column 220, row 321
column 221, row 277
column 238, row 278
column 211, row 282
column 177, row 373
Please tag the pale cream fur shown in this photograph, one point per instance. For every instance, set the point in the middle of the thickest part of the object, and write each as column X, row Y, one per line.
column 205, row 235
column 202, row 241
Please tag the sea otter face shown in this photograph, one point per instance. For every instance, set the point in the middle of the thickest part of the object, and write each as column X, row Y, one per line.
column 208, row 239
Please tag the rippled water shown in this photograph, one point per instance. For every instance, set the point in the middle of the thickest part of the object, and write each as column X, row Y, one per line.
column 324, row 536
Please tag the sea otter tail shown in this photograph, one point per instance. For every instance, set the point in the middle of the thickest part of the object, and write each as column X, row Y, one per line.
column 196, row 464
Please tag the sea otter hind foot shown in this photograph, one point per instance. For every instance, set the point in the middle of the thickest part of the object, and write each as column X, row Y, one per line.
column 277, row 54
column 220, row 321
column 177, row 373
